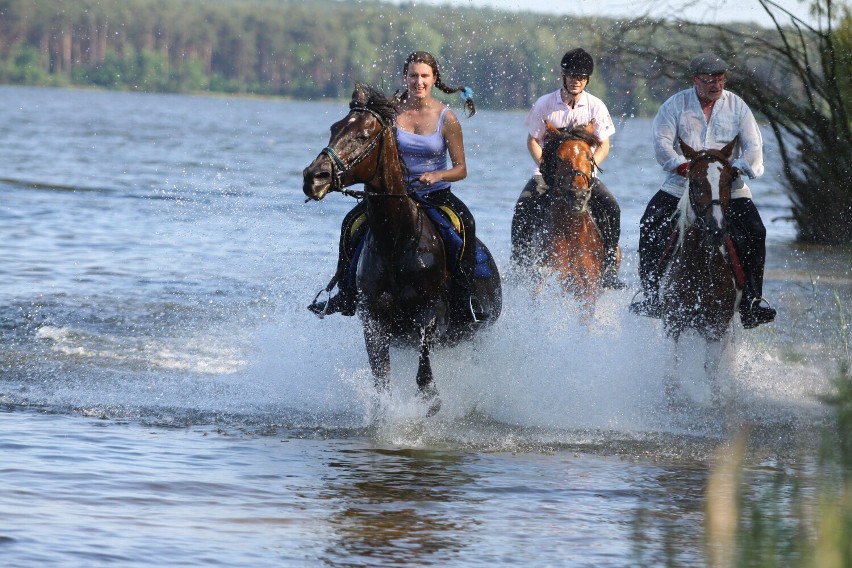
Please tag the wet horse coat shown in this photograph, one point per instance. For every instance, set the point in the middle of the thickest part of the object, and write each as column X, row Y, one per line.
column 402, row 279
column 700, row 288
column 566, row 239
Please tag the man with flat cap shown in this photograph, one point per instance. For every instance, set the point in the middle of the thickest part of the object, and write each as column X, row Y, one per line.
column 706, row 116
column 568, row 107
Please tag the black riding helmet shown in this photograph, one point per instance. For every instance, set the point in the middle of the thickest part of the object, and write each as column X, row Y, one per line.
column 577, row 62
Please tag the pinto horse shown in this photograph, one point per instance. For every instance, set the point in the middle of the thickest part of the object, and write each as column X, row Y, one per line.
column 404, row 287
column 565, row 238
column 702, row 285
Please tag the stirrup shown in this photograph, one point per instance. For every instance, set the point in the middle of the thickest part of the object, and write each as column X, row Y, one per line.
column 611, row 281
column 476, row 311
column 320, row 308
column 754, row 314
column 647, row 306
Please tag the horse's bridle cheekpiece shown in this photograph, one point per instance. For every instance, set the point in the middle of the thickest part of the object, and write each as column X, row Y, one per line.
column 341, row 166
column 710, row 157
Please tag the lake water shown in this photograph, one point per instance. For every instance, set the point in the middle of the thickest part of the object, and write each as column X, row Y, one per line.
column 166, row 398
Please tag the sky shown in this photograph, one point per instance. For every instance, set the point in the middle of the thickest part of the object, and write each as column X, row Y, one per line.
column 704, row 11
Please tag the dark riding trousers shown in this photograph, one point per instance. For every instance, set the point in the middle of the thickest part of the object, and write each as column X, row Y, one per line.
column 530, row 211
column 449, row 199
column 747, row 232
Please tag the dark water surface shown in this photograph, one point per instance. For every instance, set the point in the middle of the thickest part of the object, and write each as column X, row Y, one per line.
column 165, row 398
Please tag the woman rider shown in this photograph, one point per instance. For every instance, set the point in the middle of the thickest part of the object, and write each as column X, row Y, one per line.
column 426, row 130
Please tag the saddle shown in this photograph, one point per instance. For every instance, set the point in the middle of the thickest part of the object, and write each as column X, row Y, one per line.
column 449, row 226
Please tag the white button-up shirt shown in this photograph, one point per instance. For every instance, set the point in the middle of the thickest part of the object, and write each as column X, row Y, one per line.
column 550, row 107
column 681, row 117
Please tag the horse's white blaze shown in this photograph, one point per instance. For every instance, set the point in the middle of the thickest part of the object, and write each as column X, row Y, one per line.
column 714, row 177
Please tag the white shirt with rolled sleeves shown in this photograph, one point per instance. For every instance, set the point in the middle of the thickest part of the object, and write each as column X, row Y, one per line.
column 681, row 117
column 550, row 107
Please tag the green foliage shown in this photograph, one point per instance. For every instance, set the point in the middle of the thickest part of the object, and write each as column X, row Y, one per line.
column 25, row 66
column 843, row 43
column 797, row 77
column 291, row 48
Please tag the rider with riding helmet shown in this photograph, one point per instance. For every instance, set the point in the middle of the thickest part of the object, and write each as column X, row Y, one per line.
column 705, row 116
column 568, row 107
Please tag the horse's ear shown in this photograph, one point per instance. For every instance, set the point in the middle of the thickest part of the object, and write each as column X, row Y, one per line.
column 728, row 149
column 359, row 96
column 550, row 131
column 688, row 152
column 590, row 128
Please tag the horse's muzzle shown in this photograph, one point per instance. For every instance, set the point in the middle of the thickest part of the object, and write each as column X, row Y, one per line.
column 317, row 178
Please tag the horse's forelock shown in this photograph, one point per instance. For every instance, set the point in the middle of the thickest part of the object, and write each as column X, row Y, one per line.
column 577, row 133
column 377, row 102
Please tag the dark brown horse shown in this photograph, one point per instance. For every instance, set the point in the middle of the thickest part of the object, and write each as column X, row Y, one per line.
column 403, row 283
column 566, row 237
column 702, row 285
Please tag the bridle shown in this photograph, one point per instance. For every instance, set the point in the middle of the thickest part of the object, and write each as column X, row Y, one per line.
column 704, row 155
column 339, row 166
column 572, row 172
column 700, row 214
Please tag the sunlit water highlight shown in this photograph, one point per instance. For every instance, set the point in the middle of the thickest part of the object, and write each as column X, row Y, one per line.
column 166, row 398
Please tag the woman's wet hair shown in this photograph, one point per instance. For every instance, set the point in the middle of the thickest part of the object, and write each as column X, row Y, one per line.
column 429, row 59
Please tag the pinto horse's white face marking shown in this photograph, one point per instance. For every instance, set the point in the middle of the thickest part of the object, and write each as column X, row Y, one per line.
column 714, row 178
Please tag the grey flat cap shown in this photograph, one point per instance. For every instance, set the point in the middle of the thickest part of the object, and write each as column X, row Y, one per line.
column 707, row 63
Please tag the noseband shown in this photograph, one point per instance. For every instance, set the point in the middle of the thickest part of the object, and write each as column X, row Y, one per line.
column 339, row 167
column 562, row 191
column 572, row 173
column 579, row 173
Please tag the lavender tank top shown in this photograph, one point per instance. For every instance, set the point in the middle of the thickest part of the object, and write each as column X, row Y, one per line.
column 423, row 153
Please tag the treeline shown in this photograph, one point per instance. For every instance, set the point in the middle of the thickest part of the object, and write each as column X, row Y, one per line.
column 311, row 50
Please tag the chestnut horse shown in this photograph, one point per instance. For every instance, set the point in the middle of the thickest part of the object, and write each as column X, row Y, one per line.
column 566, row 239
column 702, row 285
column 404, row 287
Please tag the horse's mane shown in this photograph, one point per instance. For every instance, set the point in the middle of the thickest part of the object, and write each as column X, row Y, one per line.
column 685, row 216
column 553, row 140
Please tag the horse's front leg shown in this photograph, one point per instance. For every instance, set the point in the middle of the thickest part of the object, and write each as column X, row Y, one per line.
column 712, row 358
column 586, row 299
column 377, row 340
column 425, row 380
column 671, row 381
